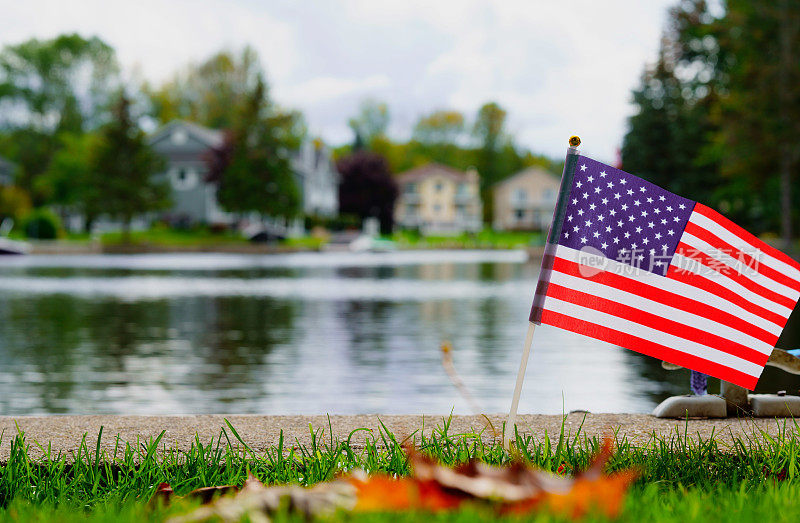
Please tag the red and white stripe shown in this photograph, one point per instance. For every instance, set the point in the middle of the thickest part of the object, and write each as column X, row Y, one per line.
column 720, row 309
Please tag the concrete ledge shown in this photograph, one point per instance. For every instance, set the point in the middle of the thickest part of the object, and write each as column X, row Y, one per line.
column 262, row 432
column 774, row 406
column 707, row 406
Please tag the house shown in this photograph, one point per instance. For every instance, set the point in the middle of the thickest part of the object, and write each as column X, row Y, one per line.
column 526, row 200
column 6, row 172
column 439, row 199
column 185, row 146
column 318, row 178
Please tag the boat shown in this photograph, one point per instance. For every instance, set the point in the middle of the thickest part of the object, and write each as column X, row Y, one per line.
column 9, row 246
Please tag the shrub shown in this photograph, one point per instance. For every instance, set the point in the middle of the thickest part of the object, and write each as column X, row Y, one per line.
column 42, row 224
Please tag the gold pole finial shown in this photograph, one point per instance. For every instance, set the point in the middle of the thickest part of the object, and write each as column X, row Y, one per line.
column 574, row 141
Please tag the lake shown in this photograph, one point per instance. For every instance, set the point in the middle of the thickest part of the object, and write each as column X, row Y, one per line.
column 308, row 333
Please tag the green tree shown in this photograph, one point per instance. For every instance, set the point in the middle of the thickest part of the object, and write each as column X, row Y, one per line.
column 123, row 167
column 212, row 93
column 48, row 87
column 440, row 127
column 69, row 180
column 370, row 123
column 760, row 113
column 252, row 168
column 496, row 156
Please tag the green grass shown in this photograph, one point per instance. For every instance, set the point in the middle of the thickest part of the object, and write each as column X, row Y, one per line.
column 164, row 236
column 486, row 239
column 683, row 479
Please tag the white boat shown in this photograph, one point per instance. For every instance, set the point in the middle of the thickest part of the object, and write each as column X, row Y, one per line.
column 9, row 246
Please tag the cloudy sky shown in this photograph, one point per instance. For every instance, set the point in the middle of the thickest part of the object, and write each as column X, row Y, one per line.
column 558, row 67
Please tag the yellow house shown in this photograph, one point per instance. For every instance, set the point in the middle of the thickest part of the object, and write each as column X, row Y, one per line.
column 526, row 200
column 438, row 199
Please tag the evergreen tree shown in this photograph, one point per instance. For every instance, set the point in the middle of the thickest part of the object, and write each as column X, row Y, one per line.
column 253, row 168
column 123, row 168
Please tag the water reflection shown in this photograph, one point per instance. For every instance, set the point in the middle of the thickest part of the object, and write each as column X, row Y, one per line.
column 347, row 334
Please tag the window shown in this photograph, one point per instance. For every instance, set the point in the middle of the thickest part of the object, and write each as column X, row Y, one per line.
column 520, row 195
column 437, row 208
column 549, row 194
column 463, row 189
column 411, row 188
column 183, row 178
column 520, row 214
column 439, row 186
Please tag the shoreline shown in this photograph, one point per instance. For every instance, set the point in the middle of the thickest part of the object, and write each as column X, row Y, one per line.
column 58, row 248
column 260, row 432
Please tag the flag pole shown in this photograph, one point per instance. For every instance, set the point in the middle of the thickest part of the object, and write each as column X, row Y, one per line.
column 552, row 238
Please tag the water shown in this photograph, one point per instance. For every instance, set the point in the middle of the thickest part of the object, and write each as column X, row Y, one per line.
column 296, row 334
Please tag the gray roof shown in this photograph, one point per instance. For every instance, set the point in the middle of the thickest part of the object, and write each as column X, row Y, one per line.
column 209, row 137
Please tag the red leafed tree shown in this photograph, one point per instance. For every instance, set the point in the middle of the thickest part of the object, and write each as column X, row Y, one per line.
column 367, row 188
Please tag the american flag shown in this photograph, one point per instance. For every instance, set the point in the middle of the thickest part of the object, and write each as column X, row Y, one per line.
column 630, row 263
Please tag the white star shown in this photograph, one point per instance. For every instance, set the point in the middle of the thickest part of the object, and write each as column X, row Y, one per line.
column 608, row 228
column 657, row 210
column 617, row 196
column 652, row 252
column 623, row 181
column 592, row 207
column 658, row 236
column 638, row 230
column 627, row 234
column 603, row 174
column 651, row 225
column 575, row 228
column 649, row 200
column 569, row 218
column 637, row 203
column 676, row 219
column 663, row 221
column 634, row 246
column 574, row 201
column 630, row 192
column 579, row 185
column 659, row 263
column 631, row 218
column 644, row 214
column 601, row 217
column 640, row 257
column 681, row 206
column 624, row 206
column 664, row 248
column 566, row 235
column 605, row 201
column 619, row 223
column 585, row 195
column 645, row 241
column 590, row 178
column 603, row 245
column 612, row 212
column 584, row 240
column 588, row 223
column 580, row 212
column 596, row 234
column 597, row 190
column 623, row 250
column 616, row 240
column 642, row 189
column 661, row 198
column 670, row 232
column 610, row 184
column 669, row 208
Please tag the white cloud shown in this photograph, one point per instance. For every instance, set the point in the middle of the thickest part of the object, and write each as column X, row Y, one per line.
column 558, row 67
